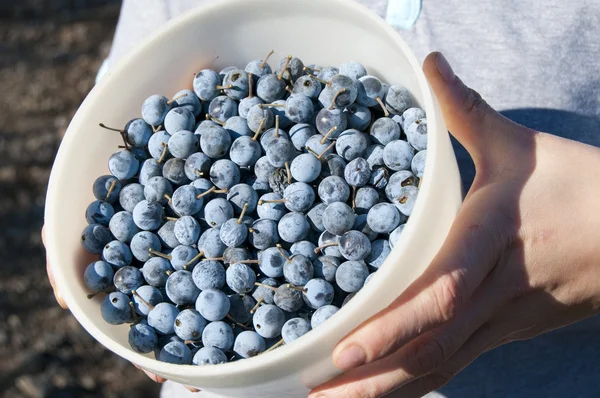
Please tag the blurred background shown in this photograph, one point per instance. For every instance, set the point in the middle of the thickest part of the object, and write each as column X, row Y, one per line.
column 50, row 52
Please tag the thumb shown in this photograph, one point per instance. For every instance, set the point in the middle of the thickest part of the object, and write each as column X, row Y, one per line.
column 478, row 127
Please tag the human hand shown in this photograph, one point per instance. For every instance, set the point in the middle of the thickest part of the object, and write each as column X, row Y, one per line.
column 63, row 304
column 521, row 258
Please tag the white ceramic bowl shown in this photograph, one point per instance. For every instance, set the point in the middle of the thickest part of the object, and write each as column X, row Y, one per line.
column 233, row 33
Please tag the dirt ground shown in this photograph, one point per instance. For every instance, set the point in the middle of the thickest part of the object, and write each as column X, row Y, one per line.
column 50, row 51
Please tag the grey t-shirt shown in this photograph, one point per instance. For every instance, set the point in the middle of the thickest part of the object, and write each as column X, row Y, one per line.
column 538, row 63
column 535, row 61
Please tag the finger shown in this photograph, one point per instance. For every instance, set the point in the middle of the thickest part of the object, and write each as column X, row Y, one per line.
column 486, row 337
column 487, row 135
column 151, row 375
column 57, row 294
column 478, row 127
column 424, row 355
column 466, row 257
column 422, row 366
column 413, row 361
column 512, row 320
column 154, row 377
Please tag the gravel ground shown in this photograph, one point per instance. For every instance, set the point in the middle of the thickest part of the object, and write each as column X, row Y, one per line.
column 50, row 51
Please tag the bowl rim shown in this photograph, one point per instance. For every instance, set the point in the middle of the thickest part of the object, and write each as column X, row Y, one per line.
column 262, row 362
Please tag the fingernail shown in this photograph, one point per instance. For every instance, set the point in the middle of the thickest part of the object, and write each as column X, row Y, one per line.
column 444, row 68
column 350, row 358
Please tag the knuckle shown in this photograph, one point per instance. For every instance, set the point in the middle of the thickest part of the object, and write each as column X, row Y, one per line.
column 474, row 104
column 370, row 390
column 366, row 388
column 429, row 356
column 358, row 390
column 448, row 295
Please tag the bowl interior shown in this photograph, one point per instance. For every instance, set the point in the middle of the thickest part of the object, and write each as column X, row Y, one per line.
column 229, row 33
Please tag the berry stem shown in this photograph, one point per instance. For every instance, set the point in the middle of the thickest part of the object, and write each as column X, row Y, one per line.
column 133, row 313
column 262, row 201
column 262, row 65
column 232, row 319
column 331, row 130
column 326, row 150
column 168, row 272
column 258, row 303
column 259, row 130
column 311, row 69
column 250, row 94
column 207, row 192
column 271, row 105
column 335, row 97
column 318, row 249
column 163, row 155
column 265, row 285
column 385, row 111
column 280, row 249
column 313, row 152
column 196, row 257
column 289, row 173
column 251, row 230
column 241, row 217
column 403, row 199
column 298, row 288
column 289, row 89
column 214, row 258
column 110, row 189
column 186, row 342
column 276, row 126
column 285, row 65
column 122, row 132
column 168, row 198
column 155, row 129
column 198, row 173
column 219, row 87
column 280, row 342
column 248, row 262
column 171, row 218
column 176, row 98
column 353, row 197
column 159, row 254
column 110, row 128
column 208, row 116
column 325, row 82
column 147, row 304
column 109, row 290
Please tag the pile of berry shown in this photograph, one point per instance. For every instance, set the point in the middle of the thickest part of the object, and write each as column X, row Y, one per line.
column 244, row 213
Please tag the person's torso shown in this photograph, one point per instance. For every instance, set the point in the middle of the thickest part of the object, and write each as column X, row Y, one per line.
column 536, row 62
